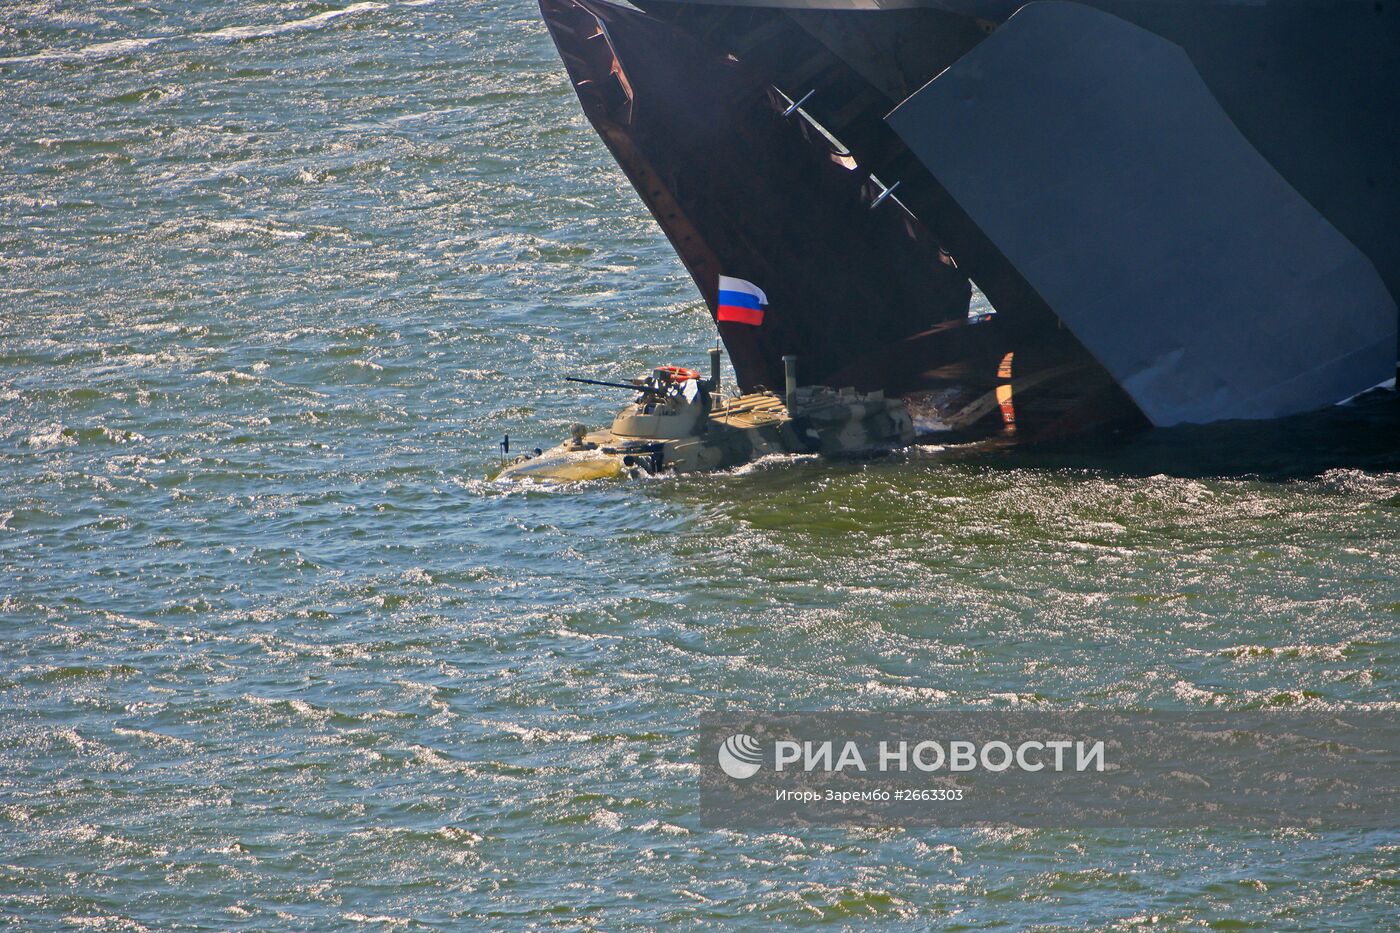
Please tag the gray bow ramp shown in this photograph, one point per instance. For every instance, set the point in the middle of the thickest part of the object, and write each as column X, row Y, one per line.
column 1095, row 159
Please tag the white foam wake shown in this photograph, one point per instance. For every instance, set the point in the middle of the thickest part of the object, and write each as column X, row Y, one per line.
column 277, row 29
column 117, row 47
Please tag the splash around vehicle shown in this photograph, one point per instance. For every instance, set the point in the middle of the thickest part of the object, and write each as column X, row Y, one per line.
column 680, row 423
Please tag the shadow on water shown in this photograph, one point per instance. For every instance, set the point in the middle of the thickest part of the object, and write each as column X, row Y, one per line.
column 1361, row 435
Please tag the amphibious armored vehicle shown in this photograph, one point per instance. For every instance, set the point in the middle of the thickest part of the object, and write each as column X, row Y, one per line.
column 680, row 423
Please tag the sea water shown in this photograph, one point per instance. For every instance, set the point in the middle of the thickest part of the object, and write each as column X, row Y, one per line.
column 276, row 277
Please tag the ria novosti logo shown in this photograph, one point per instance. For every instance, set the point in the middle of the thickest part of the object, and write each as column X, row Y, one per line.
column 740, row 756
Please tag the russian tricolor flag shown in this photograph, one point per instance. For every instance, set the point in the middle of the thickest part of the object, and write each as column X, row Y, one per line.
column 740, row 301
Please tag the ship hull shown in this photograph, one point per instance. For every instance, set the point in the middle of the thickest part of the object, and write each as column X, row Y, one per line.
column 698, row 104
column 1314, row 85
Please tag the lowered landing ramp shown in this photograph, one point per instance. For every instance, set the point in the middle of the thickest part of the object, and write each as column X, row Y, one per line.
column 1094, row 158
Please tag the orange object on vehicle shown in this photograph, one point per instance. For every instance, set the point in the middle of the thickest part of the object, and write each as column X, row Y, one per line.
column 678, row 373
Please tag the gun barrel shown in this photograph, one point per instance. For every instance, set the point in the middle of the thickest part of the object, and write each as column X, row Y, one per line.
column 615, row 385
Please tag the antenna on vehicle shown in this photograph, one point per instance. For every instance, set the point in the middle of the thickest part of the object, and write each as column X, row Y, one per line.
column 798, row 103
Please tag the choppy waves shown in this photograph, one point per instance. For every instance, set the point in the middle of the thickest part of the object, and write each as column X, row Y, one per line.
column 117, row 48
